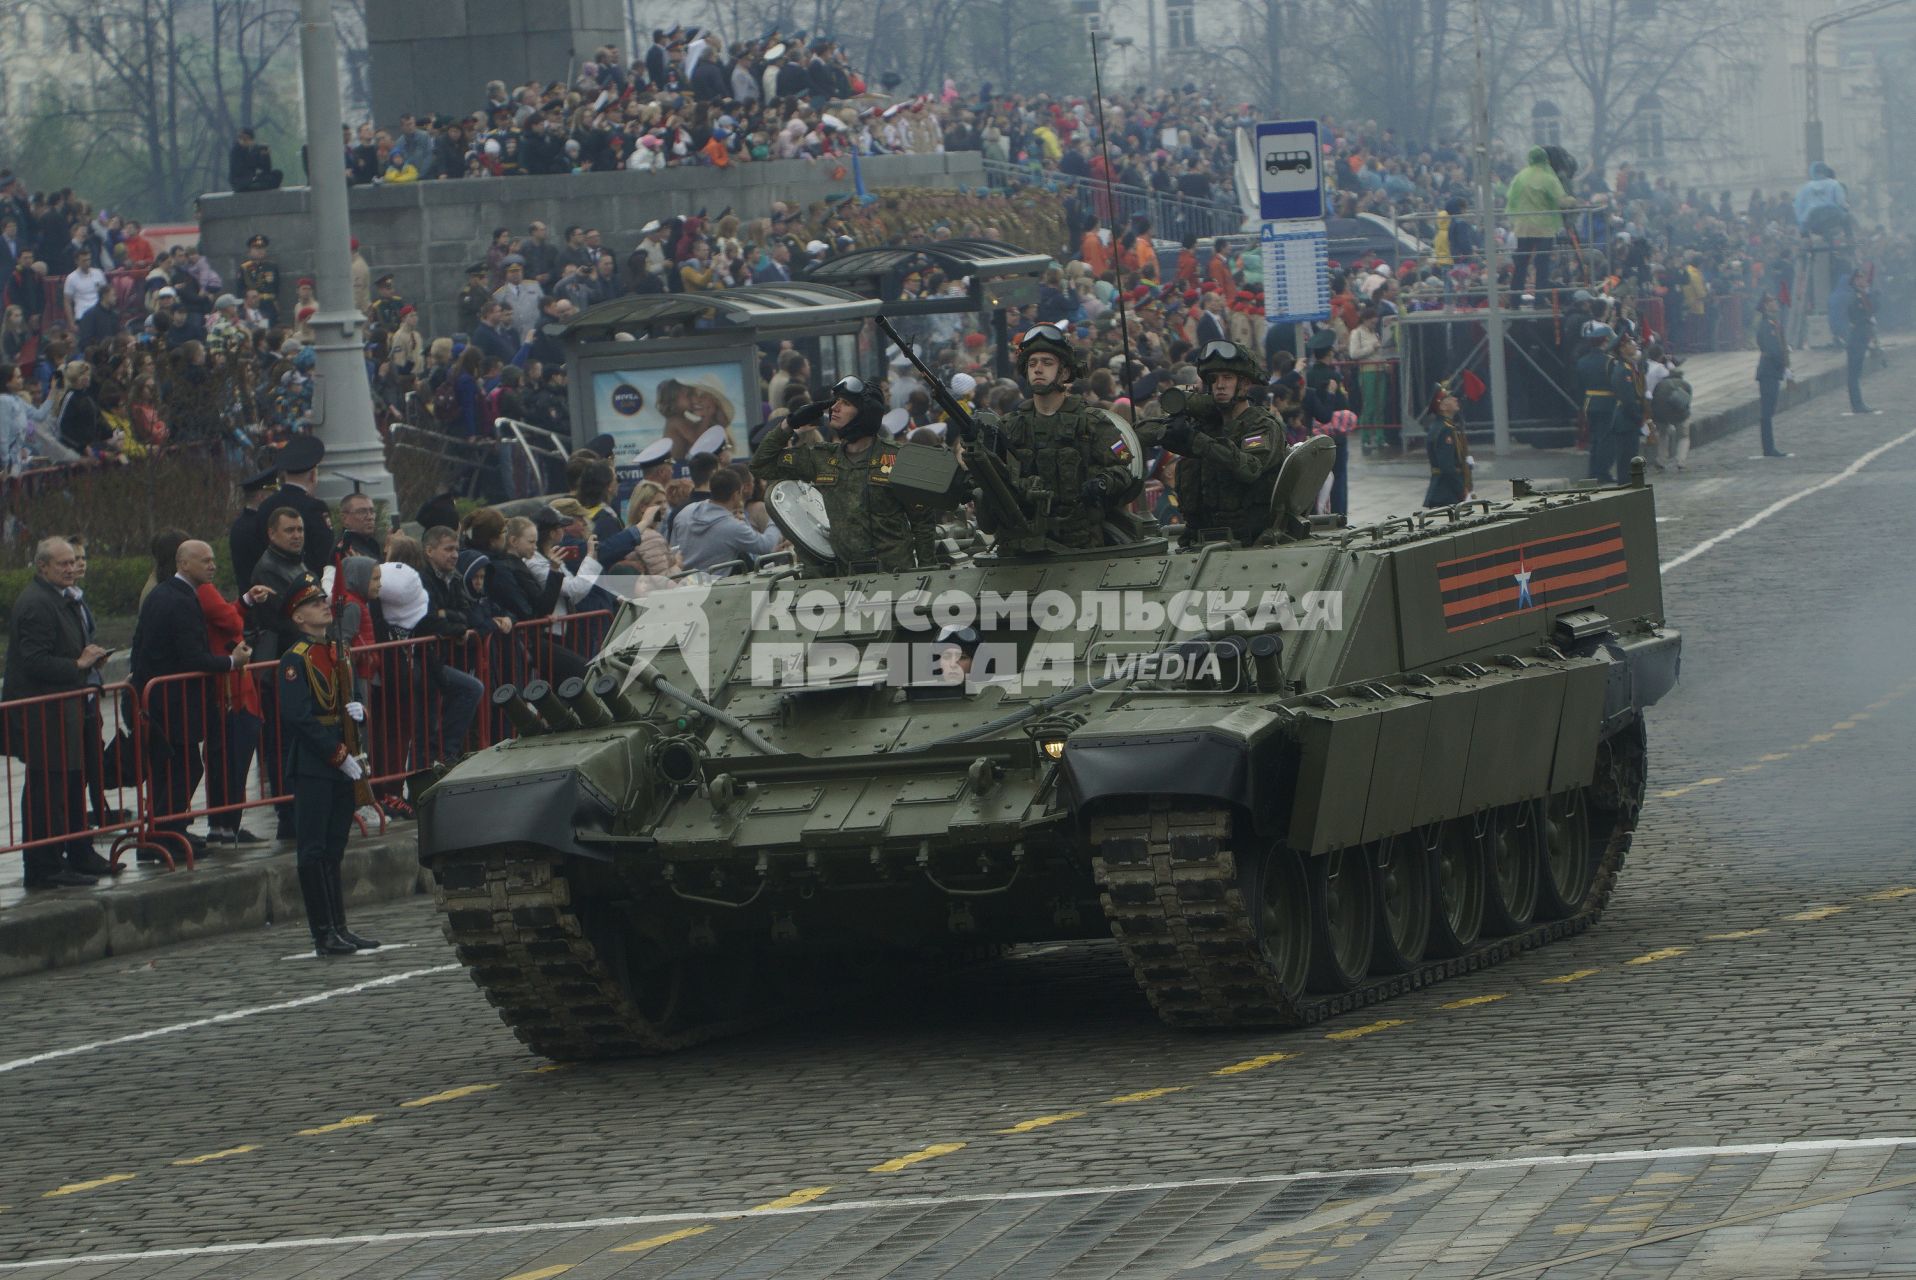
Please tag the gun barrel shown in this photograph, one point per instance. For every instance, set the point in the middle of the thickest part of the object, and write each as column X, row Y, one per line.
column 934, row 385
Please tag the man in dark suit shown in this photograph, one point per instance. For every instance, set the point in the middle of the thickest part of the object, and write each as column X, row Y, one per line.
column 170, row 640
column 47, row 654
column 299, row 476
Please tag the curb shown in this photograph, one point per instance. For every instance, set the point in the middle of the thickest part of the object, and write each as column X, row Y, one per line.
column 222, row 895
column 1712, row 427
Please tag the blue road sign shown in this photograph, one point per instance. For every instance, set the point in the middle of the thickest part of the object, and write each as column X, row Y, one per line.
column 1290, row 181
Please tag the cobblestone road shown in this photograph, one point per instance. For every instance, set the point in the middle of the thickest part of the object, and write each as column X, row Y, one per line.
column 1713, row 1082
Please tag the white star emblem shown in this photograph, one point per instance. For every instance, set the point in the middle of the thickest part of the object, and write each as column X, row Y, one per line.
column 1523, row 586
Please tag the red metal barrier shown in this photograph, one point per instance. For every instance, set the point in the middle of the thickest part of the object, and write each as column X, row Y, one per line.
column 46, row 735
column 199, row 762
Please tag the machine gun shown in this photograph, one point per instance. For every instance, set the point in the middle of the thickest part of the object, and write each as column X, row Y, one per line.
column 1012, row 510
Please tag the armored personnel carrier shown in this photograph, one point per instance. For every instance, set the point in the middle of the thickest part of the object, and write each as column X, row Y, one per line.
column 1289, row 779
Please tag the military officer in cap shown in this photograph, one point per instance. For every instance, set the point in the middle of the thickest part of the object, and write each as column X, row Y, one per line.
column 712, row 440
column 299, row 476
column 1449, row 451
column 870, row 524
column 1231, row 448
column 246, row 539
column 315, row 700
column 474, row 299
column 387, row 304
column 655, row 462
column 1060, row 440
column 260, row 272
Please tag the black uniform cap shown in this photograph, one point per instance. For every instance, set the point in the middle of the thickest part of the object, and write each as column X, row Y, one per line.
column 302, row 453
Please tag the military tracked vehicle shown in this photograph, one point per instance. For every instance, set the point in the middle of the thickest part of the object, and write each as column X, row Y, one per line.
column 1432, row 759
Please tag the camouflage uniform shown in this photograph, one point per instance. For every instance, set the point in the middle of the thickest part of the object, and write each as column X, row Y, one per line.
column 869, row 522
column 1225, row 479
column 1065, row 450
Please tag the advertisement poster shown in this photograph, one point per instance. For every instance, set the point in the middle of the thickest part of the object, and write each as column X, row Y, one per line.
column 638, row 406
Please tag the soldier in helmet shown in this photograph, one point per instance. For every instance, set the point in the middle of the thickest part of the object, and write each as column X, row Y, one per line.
column 1065, row 445
column 1231, row 449
column 1593, row 383
column 871, row 526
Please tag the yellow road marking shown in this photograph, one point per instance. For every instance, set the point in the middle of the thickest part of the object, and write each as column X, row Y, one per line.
column 1565, row 979
column 1822, row 737
column 804, row 1195
column 211, row 1156
column 927, row 1153
column 1708, row 782
column 1662, row 1179
column 547, row 1068
column 1661, row 953
column 1844, row 724
column 1145, row 1095
column 653, row 1242
column 1369, row 1028
column 1890, row 895
column 1376, row 1219
column 1469, row 1001
column 1042, row 1122
column 1733, row 935
column 350, row 1122
column 1674, row 792
column 543, row 1273
column 1252, row 1064
column 1817, row 913
column 1774, row 756
column 450, row 1095
column 1749, row 768
column 93, row 1184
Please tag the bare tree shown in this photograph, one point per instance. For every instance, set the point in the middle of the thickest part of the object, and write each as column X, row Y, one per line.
column 1637, row 62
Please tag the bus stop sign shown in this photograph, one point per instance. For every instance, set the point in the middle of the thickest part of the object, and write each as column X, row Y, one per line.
column 1290, row 181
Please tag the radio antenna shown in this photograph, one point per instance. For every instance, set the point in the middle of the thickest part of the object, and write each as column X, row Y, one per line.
column 1110, row 209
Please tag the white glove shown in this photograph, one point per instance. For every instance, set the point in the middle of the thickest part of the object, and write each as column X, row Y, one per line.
column 1469, row 461
column 357, row 712
column 353, row 770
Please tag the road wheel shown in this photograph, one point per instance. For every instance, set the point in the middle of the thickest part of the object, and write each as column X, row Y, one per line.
column 1457, row 889
column 1567, row 869
column 1343, row 918
column 1284, row 935
column 1512, row 851
column 1402, row 871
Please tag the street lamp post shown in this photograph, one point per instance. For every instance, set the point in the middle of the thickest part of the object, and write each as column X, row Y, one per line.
column 343, row 405
column 1812, row 103
column 1499, row 384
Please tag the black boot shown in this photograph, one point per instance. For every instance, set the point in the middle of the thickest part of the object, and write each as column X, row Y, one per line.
column 319, row 911
column 336, row 898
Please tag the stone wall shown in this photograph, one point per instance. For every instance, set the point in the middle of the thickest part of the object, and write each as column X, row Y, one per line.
column 437, row 57
column 426, row 233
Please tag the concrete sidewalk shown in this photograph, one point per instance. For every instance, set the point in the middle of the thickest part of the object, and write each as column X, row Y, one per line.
column 230, row 891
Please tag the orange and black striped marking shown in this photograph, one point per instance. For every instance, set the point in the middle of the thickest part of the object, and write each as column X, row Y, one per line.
column 1547, row 573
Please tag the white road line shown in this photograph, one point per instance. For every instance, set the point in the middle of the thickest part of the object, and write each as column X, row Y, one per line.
column 1814, row 1147
column 1781, row 503
column 235, row 1015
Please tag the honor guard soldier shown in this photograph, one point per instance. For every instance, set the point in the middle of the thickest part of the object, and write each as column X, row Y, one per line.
column 387, row 304
column 315, row 703
column 262, row 273
column 1232, row 449
column 870, row 525
column 1593, row 382
column 1066, row 444
column 1449, row 452
column 299, row 476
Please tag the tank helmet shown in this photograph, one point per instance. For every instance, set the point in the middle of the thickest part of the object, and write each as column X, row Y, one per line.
column 1051, row 339
column 863, row 397
column 1226, row 357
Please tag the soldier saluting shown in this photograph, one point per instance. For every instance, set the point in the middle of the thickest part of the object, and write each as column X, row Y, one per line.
column 1064, row 445
column 1232, row 449
column 315, row 693
column 870, row 523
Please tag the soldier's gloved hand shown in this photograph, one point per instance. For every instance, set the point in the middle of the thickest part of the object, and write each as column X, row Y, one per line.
column 1095, row 488
column 356, row 711
column 1177, row 434
column 353, row 770
column 807, row 415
